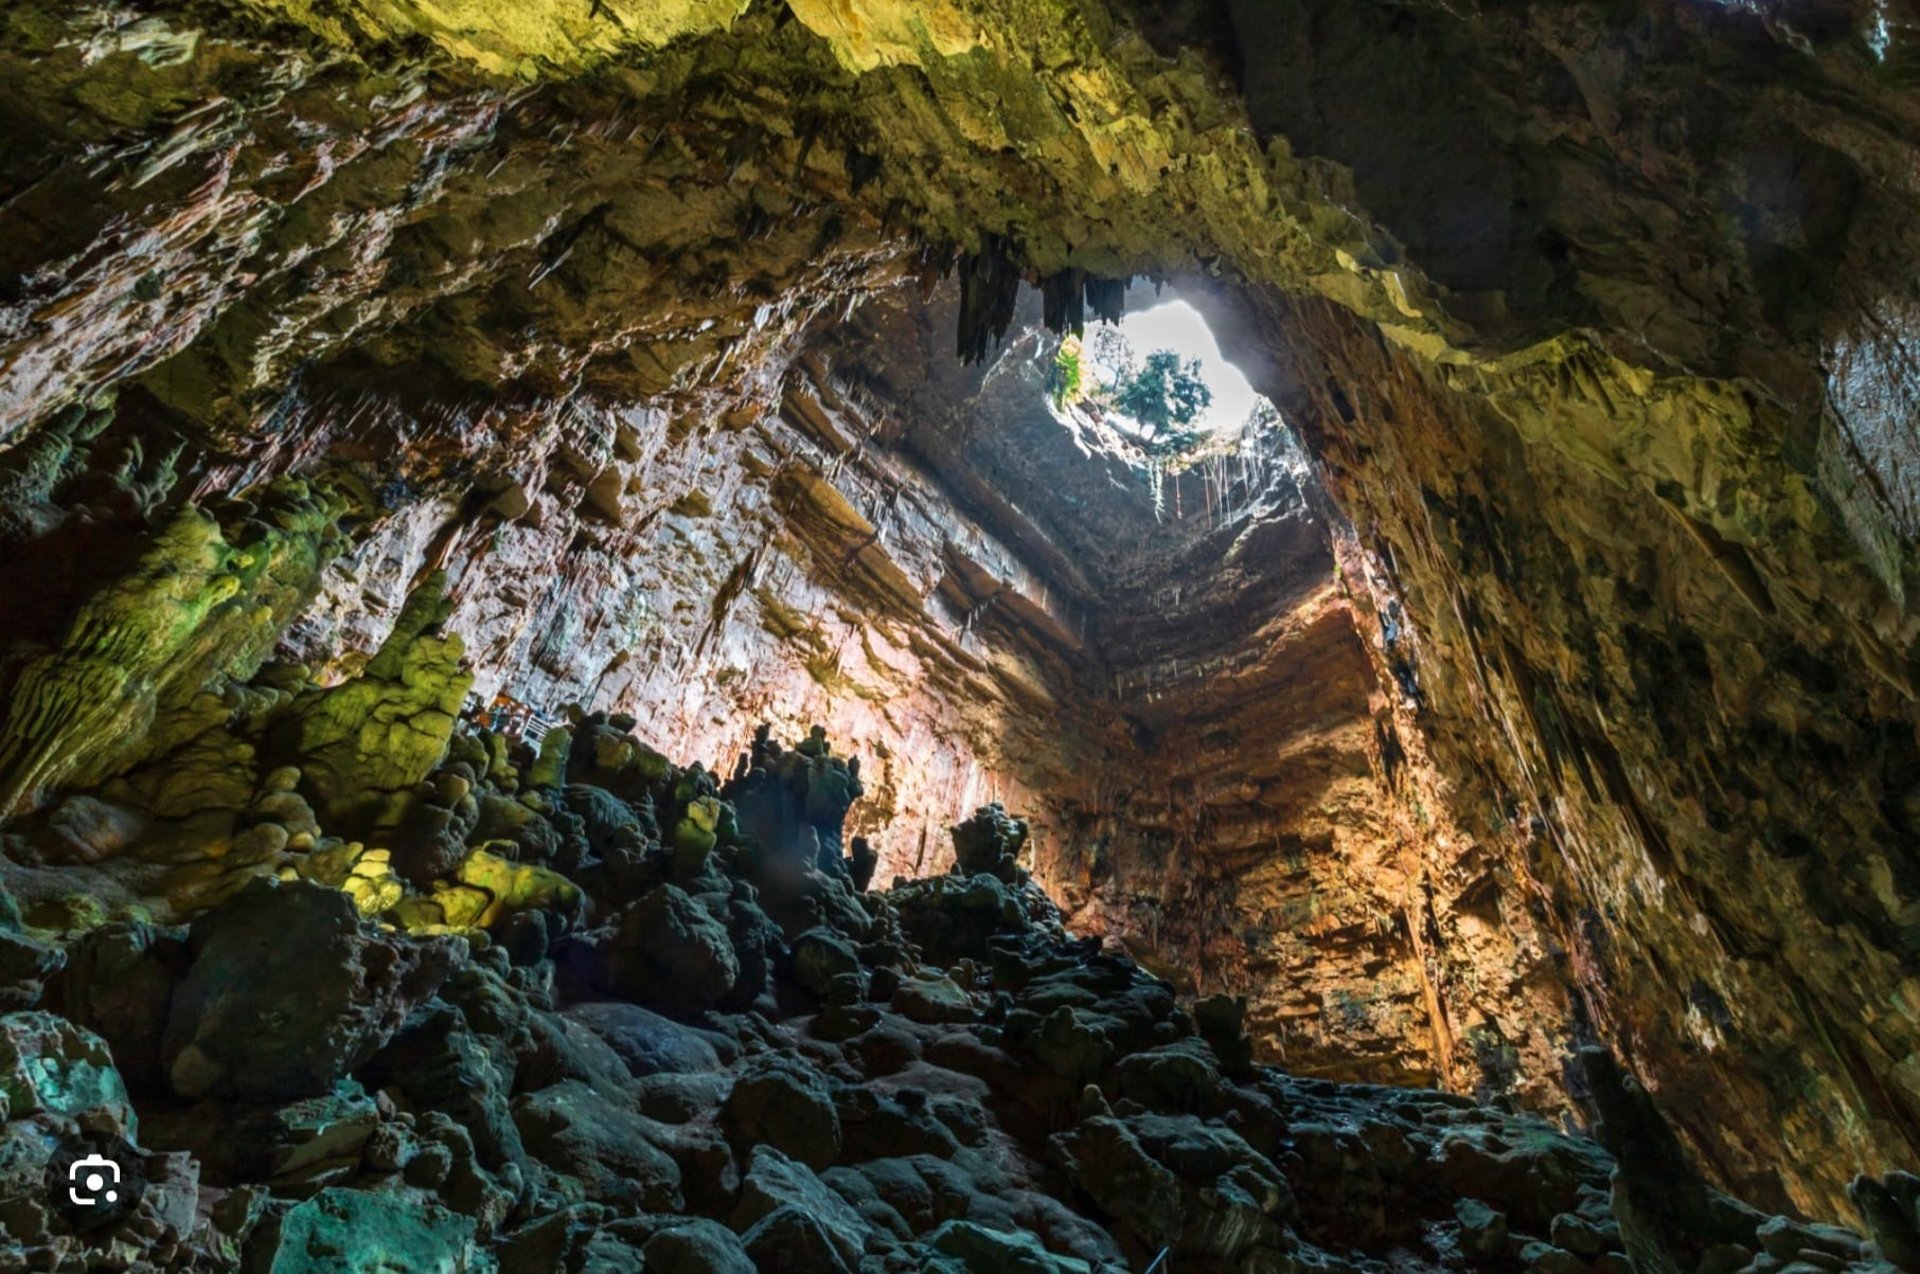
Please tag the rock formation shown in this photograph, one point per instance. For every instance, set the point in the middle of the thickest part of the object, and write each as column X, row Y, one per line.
column 419, row 423
column 734, row 1059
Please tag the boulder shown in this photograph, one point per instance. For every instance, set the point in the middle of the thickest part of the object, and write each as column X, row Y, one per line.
column 1581, row 1237
column 1790, row 1240
column 1176, row 1078
column 607, row 1148
column 119, row 981
column 359, row 1232
column 990, row 842
column 976, row 1249
column 50, row 1066
column 1179, row 1181
column 778, row 1189
column 1545, row 1258
column 603, row 1253
column 669, row 952
column 784, row 1107
column 819, row 956
column 608, row 822
column 314, row 1140
column 26, row 964
column 794, row 1241
column 1107, row 1162
column 1232, row 1196
column 876, row 1123
column 932, row 1000
column 556, row 1047
column 289, row 991
column 951, row 918
column 696, row 1246
column 438, row 1063
column 646, row 1042
column 1483, row 1231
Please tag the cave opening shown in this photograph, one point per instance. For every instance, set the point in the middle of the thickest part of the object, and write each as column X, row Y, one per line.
column 1213, row 733
column 1025, row 635
column 1157, row 381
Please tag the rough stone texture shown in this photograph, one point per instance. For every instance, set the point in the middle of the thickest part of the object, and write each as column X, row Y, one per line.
column 429, row 1104
column 364, row 744
column 288, row 993
column 1597, row 317
column 48, row 1065
column 667, row 951
column 358, row 1233
column 198, row 605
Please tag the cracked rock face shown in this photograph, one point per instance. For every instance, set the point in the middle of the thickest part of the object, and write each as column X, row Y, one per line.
column 360, row 363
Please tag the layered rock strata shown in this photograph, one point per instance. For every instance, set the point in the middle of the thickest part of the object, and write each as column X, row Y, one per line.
column 1598, row 317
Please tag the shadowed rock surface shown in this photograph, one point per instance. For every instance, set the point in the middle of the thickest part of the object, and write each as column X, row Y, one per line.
column 1540, row 676
column 347, row 1092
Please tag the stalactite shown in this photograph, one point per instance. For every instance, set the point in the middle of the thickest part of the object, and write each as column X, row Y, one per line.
column 989, row 290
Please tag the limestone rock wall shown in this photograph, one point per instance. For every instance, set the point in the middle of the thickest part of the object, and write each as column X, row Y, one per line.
column 1276, row 827
column 1596, row 315
column 736, row 571
column 1721, row 936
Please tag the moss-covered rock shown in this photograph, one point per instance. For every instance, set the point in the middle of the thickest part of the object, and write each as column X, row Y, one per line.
column 209, row 598
column 365, row 744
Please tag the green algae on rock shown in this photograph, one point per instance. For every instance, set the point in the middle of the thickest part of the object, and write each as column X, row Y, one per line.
column 364, row 744
column 207, row 601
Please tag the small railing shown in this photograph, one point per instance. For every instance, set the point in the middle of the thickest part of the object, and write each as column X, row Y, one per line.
column 509, row 716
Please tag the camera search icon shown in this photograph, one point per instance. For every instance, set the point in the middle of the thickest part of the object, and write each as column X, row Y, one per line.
column 93, row 1180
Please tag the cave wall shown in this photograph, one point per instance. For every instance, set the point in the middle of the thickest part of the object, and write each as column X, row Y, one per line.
column 1277, row 828
column 704, row 576
column 1596, row 315
column 1259, row 816
column 1708, row 931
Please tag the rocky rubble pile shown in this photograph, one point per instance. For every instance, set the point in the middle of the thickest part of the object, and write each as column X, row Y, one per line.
column 587, row 1010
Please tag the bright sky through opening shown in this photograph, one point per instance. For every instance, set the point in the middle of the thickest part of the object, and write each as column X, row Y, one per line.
column 1177, row 326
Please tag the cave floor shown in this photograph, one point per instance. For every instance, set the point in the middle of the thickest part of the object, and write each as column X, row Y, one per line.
column 698, row 1039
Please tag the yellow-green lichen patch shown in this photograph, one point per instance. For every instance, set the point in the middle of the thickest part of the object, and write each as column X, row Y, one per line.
column 486, row 889
column 364, row 745
column 208, row 598
column 516, row 37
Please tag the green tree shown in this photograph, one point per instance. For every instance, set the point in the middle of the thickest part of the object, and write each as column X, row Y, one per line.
column 1066, row 374
column 1164, row 395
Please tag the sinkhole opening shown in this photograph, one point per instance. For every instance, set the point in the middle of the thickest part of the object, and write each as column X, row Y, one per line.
column 1156, row 389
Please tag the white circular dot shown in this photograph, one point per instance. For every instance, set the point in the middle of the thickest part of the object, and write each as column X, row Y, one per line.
column 95, row 1181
